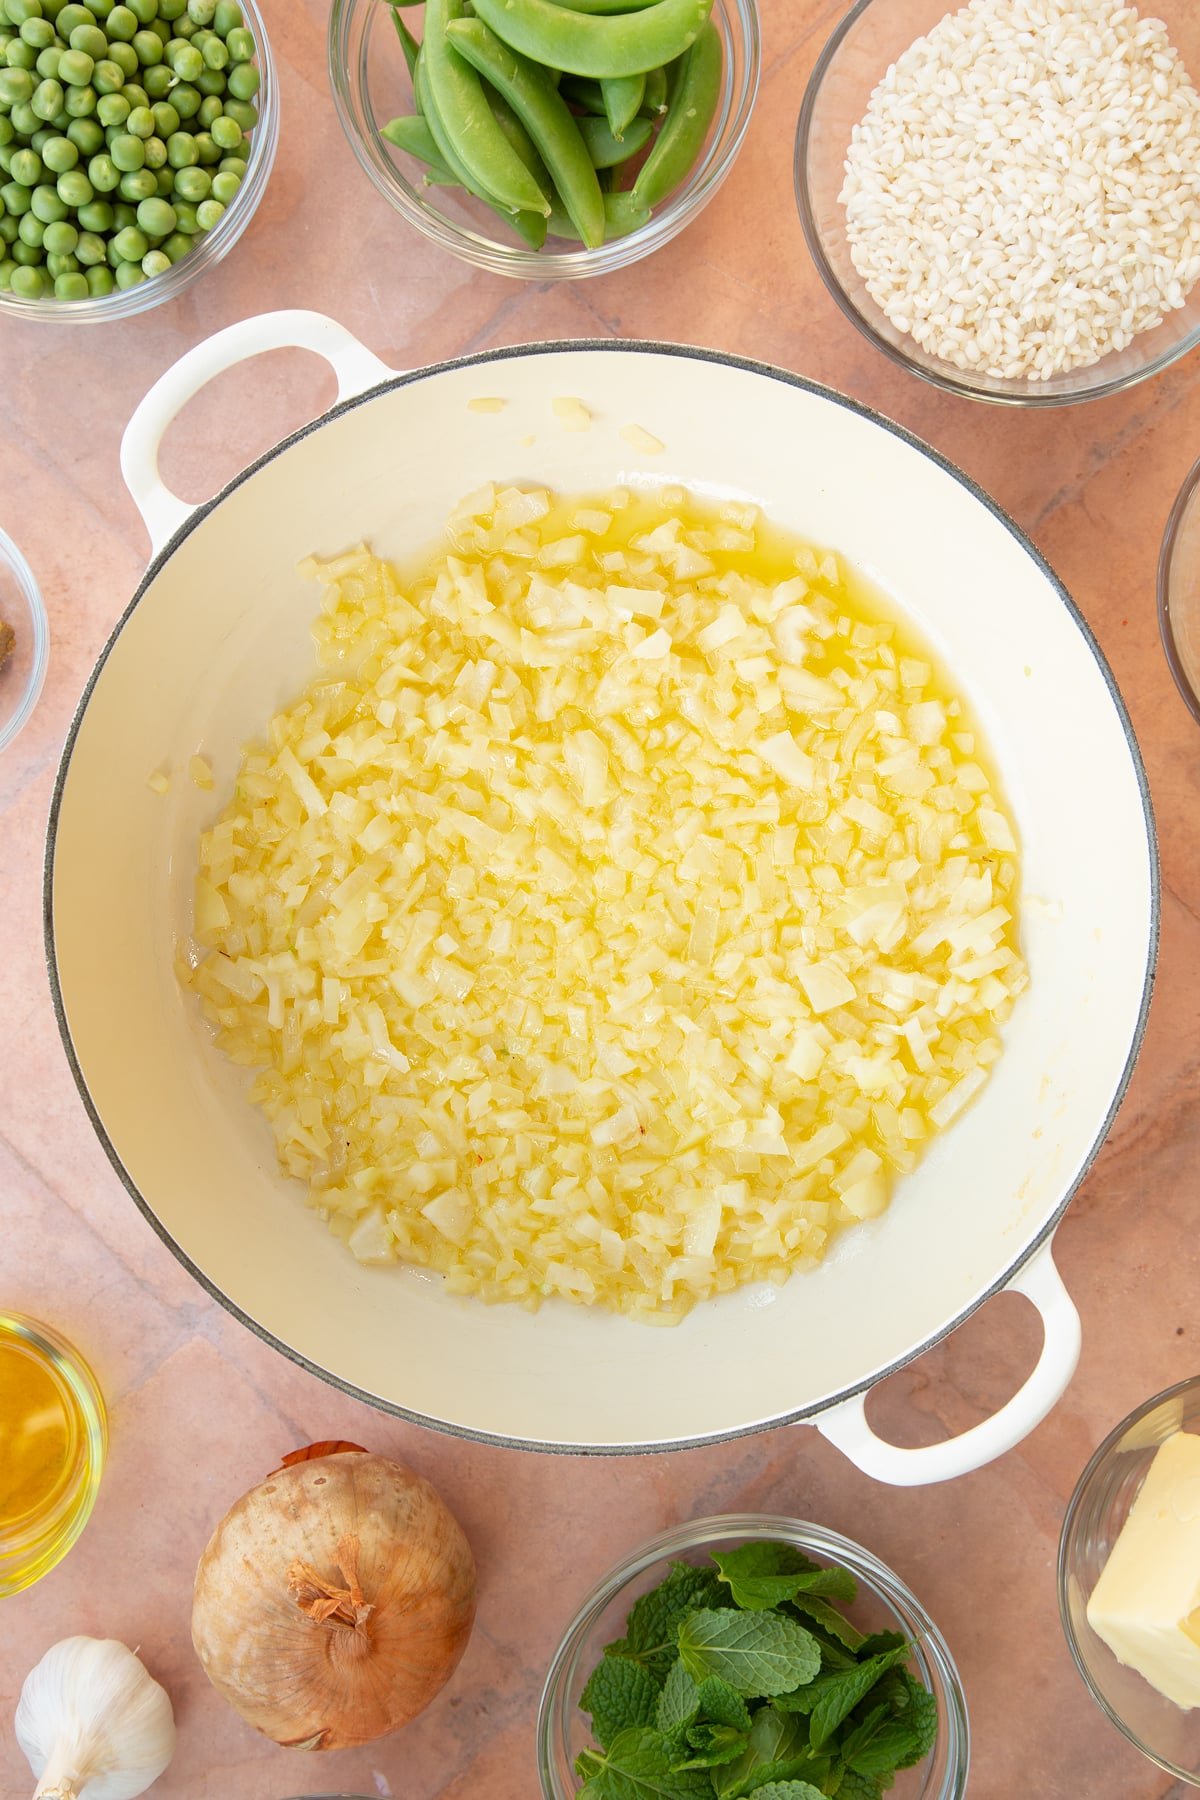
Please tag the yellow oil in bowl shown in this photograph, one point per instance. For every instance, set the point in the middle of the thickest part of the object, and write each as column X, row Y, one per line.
column 53, row 1437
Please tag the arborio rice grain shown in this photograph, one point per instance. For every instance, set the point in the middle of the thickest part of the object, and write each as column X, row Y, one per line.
column 1023, row 194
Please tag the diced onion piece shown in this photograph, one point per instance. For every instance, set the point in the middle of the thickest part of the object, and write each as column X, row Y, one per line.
column 825, row 986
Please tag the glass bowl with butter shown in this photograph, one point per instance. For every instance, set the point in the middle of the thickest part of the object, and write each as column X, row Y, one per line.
column 1129, row 1578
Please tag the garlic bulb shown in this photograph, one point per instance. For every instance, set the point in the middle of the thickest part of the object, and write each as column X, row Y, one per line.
column 93, row 1723
column 334, row 1601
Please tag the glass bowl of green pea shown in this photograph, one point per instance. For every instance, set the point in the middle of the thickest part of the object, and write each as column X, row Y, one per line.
column 625, row 162
column 136, row 141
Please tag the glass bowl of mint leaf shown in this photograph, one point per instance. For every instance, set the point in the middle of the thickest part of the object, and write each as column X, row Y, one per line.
column 745, row 1656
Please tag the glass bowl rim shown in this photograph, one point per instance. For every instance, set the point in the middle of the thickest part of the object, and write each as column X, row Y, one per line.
column 61, row 1525
column 212, row 249
column 938, row 375
column 1166, row 574
column 13, row 559
column 1189, row 1385
column 473, row 246
column 953, row 1717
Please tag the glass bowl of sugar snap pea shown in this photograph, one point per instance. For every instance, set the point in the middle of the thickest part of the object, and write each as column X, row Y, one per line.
column 1005, row 198
column 542, row 141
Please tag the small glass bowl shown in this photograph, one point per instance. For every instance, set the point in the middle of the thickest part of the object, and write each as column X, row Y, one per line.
column 1179, row 592
column 22, row 675
column 212, row 247
column 371, row 85
column 883, row 1604
column 1106, row 1490
column 33, row 1543
column 871, row 36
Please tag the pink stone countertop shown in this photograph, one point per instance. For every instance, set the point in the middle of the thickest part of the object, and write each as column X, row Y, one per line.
column 200, row 1408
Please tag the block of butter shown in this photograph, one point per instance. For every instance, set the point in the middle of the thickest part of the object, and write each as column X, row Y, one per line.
column 1146, row 1604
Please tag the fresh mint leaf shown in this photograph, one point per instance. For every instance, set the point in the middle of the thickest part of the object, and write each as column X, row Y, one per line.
column 711, row 1745
column 836, row 1696
column 652, row 1624
column 723, row 1704
column 854, row 1786
column 880, row 1641
column 760, row 1576
column 764, row 1559
column 772, row 1740
column 788, row 1790
column 829, row 1619
column 637, row 1766
column 897, row 1734
column 619, row 1693
column 679, row 1702
column 756, row 1653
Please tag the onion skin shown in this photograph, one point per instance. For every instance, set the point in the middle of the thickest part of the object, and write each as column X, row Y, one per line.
column 381, row 1656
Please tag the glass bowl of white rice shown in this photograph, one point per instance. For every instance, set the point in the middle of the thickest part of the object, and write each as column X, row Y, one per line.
column 1005, row 198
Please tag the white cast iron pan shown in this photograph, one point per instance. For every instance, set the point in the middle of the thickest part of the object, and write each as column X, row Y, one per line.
column 218, row 634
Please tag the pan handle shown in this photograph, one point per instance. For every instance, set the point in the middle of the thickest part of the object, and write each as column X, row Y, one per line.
column 846, row 1424
column 353, row 364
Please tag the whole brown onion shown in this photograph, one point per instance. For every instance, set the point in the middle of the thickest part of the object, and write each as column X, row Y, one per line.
column 334, row 1601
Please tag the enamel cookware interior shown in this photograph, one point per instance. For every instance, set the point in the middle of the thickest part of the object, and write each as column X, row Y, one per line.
column 218, row 635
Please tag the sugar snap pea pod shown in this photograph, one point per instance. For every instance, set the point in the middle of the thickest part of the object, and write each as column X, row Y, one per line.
column 543, row 111
column 530, row 225
column 695, row 89
column 622, row 214
column 582, row 92
column 623, row 95
column 457, row 95
column 605, row 6
column 412, row 134
column 408, row 42
column 655, row 100
column 587, row 44
column 605, row 150
column 517, row 136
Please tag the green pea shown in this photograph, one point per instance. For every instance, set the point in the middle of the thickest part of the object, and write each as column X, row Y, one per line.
column 81, row 102
column 216, row 56
column 181, row 150
column 125, row 57
column 20, row 55
column 228, row 134
column 47, row 63
column 47, row 99
column 7, row 152
column 90, row 40
column 29, row 283
column 156, row 218
column 172, row 10
column 158, row 81
column 60, row 238
column 156, row 154
column 103, row 174
column 140, row 123
column 187, row 62
column 112, row 110
column 28, row 255
column 17, row 11
column 186, row 100
column 149, row 48
column 130, row 244
column 123, row 215
column 89, row 249
column 7, row 134
column 234, row 165
column 27, row 168
column 162, row 31
column 201, row 12
column 71, row 287
column 146, row 11
column 60, row 154
column 164, row 180
column 8, row 269
column 75, row 189
column 184, row 28
column 166, row 119
column 68, row 17
column 206, row 150
column 25, row 121
column 244, row 112
column 138, row 185
column 100, row 9
column 210, row 109
column 135, row 94
column 208, row 214
column 240, row 44
column 61, row 265
column 100, row 282
column 129, row 274
column 155, row 262
column 46, row 204
column 17, row 199
column 16, row 85
column 193, row 184
column 127, row 151
column 228, row 17
column 120, row 25
column 225, row 187
column 177, row 246
column 75, row 68
column 211, row 82
column 86, row 135
column 39, row 34
column 108, row 77
column 96, row 217
column 244, row 81
column 9, row 229
column 31, row 230
column 185, row 216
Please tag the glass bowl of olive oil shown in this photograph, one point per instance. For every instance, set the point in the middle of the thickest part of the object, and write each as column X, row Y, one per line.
column 53, row 1438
